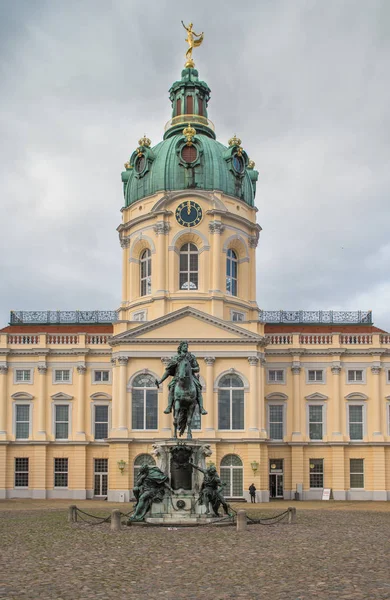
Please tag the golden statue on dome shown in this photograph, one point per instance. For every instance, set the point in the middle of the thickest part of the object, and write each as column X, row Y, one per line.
column 192, row 42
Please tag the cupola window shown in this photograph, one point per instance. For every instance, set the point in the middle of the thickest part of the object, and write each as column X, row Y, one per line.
column 190, row 105
column 189, row 274
column 238, row 163
column 189, row 154
column 140, row 164
column 231, row 272
column 146, row 272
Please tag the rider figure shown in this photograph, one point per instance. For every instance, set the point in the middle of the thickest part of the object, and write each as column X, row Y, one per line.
column 172, row 369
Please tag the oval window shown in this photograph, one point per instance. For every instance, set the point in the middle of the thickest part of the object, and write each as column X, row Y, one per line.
column 238, row 163
column 189, row 154
column 140, row 164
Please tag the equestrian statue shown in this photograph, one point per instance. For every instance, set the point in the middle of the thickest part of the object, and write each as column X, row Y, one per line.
column 185, row 390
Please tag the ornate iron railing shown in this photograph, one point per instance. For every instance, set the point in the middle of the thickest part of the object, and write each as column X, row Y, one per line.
column 62, row 317
column 342, row 317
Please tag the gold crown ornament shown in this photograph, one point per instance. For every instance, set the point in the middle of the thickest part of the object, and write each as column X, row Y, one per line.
column 189, row 133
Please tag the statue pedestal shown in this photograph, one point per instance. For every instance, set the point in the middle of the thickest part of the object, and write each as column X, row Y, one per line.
column 182, row 507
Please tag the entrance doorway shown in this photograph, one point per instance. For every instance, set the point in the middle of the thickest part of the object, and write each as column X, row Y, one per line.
column 276, row 478
column 101, row 477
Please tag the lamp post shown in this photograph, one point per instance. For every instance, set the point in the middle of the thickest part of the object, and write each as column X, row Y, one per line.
column 121, row 465
column 254, row 466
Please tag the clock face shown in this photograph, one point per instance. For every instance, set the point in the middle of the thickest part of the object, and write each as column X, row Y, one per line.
column 189, row 214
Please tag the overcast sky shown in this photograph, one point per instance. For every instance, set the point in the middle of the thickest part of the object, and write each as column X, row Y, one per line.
column 304, row 84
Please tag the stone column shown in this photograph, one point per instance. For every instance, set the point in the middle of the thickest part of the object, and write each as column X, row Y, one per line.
column 263, row 419
column 80, row 424
column 377, row 404
column 114, row 403
column 253, row 417
column 296, row 371
column 122, row 394
column 161, row 229
column 253, row 240
column 125, row 243
column 166, row 420
column 216, row 229
column 3, row 402
column 42, row 370
column 336, row 422
column 209, row 420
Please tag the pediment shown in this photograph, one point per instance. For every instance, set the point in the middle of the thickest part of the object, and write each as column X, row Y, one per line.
column 187, row 323
column 61, row 396
column 316, row 396
column 22, row 396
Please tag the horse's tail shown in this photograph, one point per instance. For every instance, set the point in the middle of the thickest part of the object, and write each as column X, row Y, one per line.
column 182, row 420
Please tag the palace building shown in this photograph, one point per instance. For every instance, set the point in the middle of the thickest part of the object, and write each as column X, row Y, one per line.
column 297, row 401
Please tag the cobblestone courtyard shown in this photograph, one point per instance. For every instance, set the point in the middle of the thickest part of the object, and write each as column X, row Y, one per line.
column 333, row 551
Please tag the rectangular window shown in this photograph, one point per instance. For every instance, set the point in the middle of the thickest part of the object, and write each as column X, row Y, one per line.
column 355, row 422
column 22, row 419
column 276, row 376
column 356, row 472
column 139, row 316
column 21, row 472
column 101, row 422
column 144, row 408
column 315, row 375
column 315, row 422
column 60, row 472
column 101, row 376
column 61, row 421
column 61, row 375
column 238, row 317
column 238, row 409
column 276, row 421
column 23, row 375
column 355, row 375
column 316, row 472
column 190, row 105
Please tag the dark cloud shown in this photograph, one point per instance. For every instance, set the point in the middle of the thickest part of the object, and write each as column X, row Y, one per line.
column 305, row 86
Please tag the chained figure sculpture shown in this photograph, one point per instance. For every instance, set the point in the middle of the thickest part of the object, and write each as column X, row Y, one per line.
column 192, row 42
column 150, row 487
column 185, row 389
column 211, row 490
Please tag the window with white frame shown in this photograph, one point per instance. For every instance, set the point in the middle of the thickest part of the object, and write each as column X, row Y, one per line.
column 388, row 375
column 144, row 402
column 61, row 421
column 356, row 473
column 316, row 472
column 101, row 376
column 189, row 267
column 21, row 472
column 22, row 375
column 276, row 421
column 356, row 421
column 315, row 375
column 146, row 273
column 231, row 272
column 355, row 375
column 22, row 421
column 61, row 472
column 237, row 317
column 232, row 475
column 316, row 421
column 231, row 402
column 275, row 375
column 139, row 316
column 101, row 421
column 62, row 375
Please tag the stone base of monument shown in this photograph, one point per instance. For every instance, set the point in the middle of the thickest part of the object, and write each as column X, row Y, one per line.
column 182, row 507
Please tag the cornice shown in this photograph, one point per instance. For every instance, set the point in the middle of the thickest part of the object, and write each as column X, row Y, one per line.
column 288, row 351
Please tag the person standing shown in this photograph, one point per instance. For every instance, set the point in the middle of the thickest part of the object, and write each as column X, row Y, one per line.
column 252, row 491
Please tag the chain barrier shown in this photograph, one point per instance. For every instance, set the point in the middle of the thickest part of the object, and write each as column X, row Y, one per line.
column 268, row 520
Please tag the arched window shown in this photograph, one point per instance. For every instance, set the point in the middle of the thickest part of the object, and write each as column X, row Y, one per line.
column 231, row 272
column 232, row 475
column 144, row 402
column 140, row 461
column 146, row 272
column 231, row 402
column 189, row 267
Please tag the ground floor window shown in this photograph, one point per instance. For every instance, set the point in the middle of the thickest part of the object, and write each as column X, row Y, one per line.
column 140, row 461
column 100, row 476
column 232, row 474
column 61, row 472
column 316, row 472
column 356, row 472
column 21, row 472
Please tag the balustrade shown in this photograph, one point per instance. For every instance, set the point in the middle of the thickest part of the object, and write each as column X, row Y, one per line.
column 62, row 339
column 279, row 338
column 97, row 339
column 355, row 338
column 23, row 339
column 315, row 338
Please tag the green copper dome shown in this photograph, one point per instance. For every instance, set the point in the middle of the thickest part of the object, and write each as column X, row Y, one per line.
column 189, row 157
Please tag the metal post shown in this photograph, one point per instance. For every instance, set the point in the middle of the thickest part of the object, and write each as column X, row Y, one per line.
column 292, row 514
column 116, row 520
column 241, row 520
column 72, row 514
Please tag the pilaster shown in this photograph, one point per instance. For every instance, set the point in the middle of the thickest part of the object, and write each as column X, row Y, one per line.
column 80, row 412
column 3, row 402
column 296, row 372
column 122, row 430
column 379, row 473
column 166, row 420
column 209, row 419
column 253, row 418
column 297, row 469
column 338, row 473
column 42, row 372
column 336, row 411
column 377, row 432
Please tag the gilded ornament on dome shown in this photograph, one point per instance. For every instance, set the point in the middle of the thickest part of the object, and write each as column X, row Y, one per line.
column 193, row 43
column 234, row 141
column 145, row 141
column 189, row 133
column 127, row 166
column 251, row 164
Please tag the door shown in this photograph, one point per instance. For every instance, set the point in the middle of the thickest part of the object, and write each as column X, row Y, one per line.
column 276, row 478
column 101, row 476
